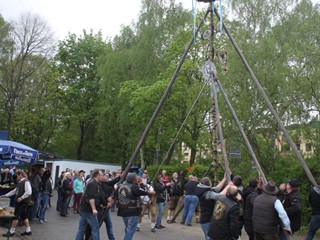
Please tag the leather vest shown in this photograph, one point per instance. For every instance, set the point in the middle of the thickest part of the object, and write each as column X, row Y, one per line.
column 20, row 191
column 265, row 217
column 220, row 224
column 207, row 207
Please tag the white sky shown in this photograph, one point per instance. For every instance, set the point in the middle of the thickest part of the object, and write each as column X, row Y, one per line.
column 64, row 16
column 73, row 16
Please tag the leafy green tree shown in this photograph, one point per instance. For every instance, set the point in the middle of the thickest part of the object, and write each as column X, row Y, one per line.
column 77, row 63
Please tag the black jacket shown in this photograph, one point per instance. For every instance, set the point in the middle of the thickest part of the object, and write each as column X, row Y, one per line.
column 314, row 200
column 292, row 205
column 161, row 192
column 206, row 205
column 6, row 178
column 225, row 222
column 249, row 195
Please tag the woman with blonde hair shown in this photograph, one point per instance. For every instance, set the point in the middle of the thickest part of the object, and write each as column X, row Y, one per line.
column 66, row 191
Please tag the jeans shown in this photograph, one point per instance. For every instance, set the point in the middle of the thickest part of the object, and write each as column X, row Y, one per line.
column 205, row 229
column 190, row 204
column 43, row 205
column 131, row 226
column 160, row 213
column 36, row 206
column 88, row 218
column 314, row 225
column 108, row 222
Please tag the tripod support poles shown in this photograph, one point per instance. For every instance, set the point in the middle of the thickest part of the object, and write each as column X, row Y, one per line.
column 224, row 152
column 155, row 114
column 271, row 108
column 248, row 145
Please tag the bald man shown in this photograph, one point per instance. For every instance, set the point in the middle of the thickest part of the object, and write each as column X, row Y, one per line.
column 224, row 224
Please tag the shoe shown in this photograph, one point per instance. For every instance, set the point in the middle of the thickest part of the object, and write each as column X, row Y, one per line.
column 182, row 223
column 42, row 222
column 137, row 229
column 189, row 225
column 8, row 234
column 153, row 229
column 46, row 220
column 63, row 215
column 158, row 227
column 26, row 233
column 162, row 226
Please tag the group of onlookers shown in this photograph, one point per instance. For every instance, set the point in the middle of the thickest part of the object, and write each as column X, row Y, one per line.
column 30, row 195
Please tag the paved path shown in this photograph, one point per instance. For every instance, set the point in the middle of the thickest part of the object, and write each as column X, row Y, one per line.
column 60, row 228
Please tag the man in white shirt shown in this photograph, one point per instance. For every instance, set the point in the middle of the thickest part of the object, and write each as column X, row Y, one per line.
column 22, row 195
column 147, row 202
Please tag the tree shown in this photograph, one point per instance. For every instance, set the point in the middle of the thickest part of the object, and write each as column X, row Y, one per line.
column 136, row 55
column 77, row 63
column 30, row 43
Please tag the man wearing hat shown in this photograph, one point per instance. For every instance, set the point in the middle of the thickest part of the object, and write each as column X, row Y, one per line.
column 268, row 214
column 129, row 205
column 292, row 204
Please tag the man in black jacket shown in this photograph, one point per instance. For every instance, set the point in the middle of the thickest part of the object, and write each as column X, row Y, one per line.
column 292, row 205
column 314, row 200
column 107, row 190
column 249, row 195
column 225, row 222
column 129, row 205
column 88, row 207
column 207, row 198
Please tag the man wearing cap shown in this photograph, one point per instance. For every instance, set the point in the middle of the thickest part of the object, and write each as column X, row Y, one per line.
column 130, row 213
column 88, row 207
column 268, row 213
column 314, row 200
column 292, row 204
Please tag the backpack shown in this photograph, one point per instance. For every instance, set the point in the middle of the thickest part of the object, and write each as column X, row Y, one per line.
column 124, row 197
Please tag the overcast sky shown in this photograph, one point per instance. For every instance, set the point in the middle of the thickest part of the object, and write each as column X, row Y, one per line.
column 73, row 16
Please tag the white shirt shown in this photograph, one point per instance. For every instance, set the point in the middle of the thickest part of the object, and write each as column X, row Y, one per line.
column 146, row 199
column 282, row 215
column 27, row 190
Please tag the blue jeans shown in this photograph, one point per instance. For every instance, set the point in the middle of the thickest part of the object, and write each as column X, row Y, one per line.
column 205, row 229
column 190, row 204
column 131, row 226
column 43, row 205
column 36, row 206
column 160, row 213
column 314, row 225
column 88, row 218
column 108, row 222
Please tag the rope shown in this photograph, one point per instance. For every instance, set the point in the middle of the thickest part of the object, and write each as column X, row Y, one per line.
column 176, row 137
column 194, row 13
column 220, row 7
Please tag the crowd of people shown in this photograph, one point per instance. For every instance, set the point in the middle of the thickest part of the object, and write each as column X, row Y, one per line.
column 30, row 192
column 263, row 211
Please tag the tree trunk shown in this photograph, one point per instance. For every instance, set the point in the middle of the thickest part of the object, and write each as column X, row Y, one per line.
column 170, row 154
column 81, row 141
column 193, row 156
